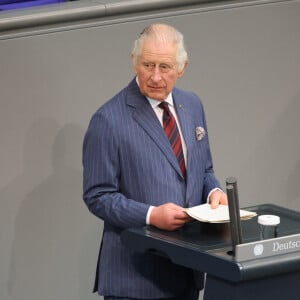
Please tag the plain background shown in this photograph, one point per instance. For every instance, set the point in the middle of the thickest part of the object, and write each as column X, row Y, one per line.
column 245, row 66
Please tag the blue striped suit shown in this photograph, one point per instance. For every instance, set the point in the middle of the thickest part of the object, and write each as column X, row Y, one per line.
column 129, row 165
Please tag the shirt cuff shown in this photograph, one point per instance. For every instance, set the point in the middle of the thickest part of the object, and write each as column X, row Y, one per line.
column 148, row 215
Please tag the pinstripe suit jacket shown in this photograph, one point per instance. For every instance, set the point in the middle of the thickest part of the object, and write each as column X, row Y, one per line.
column 129, row 165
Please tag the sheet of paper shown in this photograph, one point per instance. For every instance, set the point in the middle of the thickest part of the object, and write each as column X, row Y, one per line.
column 205, row 213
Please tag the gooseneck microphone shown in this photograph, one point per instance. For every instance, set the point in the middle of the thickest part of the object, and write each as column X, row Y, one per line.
column 234, row 212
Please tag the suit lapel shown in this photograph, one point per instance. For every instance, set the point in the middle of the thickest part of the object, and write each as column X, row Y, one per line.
column 144, row 115
column 188, row 130
column 185, row 119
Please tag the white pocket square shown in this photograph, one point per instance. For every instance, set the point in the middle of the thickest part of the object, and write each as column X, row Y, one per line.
column 200, row 133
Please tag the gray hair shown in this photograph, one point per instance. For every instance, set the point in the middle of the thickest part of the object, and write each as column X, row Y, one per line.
column 162, row 32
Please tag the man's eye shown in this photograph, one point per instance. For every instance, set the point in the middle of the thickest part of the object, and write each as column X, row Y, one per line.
column 165, row 68
column 148, row 65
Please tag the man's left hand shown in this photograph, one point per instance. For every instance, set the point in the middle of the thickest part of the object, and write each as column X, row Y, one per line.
column 216, row 198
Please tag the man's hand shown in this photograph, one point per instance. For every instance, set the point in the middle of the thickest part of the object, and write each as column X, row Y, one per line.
column 168, row 216
column 216, row 198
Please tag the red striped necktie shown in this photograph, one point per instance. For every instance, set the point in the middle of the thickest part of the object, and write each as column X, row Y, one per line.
column 172, row 132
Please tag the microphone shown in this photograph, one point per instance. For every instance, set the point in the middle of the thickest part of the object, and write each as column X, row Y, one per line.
column 234, row 212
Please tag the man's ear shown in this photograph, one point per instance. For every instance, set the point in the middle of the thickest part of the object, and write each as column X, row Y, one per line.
column 180, row 73
column 134, row 63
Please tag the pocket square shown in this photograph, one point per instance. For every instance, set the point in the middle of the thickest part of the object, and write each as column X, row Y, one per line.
column 200, row 133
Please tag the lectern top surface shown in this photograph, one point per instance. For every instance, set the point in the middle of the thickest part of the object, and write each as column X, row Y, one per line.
column 211, row 237
column 206, row 246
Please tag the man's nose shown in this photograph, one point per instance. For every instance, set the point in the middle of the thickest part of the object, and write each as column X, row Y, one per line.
column 156, row 74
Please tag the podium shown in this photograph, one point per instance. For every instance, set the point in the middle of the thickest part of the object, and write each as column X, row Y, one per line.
column 268, row 269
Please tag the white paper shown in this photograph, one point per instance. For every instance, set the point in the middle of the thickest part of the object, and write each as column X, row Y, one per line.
column 205, row 213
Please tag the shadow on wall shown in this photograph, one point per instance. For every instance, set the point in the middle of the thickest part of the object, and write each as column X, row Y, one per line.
column 47, row 240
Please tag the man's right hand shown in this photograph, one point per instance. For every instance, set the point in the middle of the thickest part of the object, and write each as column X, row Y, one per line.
column 168, row 216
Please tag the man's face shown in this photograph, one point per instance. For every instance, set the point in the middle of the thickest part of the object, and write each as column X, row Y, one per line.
column 157, row 69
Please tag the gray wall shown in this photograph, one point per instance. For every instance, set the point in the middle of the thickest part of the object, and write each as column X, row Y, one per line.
column 244, row 64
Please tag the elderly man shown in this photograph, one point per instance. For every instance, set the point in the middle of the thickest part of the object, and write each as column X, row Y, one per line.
column 146, row 156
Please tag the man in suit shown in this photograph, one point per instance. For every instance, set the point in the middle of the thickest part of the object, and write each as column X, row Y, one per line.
column 134, row 177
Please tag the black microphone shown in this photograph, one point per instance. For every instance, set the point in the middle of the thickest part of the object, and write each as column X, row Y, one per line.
column 234, row 212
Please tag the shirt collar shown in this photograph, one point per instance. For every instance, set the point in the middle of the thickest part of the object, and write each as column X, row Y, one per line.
column 154, row 103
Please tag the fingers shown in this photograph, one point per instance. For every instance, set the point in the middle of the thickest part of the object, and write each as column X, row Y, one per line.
column 224, row 200
column 214, row 203
column 218, row 197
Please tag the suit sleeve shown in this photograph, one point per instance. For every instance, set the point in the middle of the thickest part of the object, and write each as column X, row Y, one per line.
column 101, row 177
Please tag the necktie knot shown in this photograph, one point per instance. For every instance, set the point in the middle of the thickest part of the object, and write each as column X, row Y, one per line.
column 167, row 114
column 164, row 105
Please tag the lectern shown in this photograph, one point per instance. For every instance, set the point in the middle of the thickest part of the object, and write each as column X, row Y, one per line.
column 268, row 269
